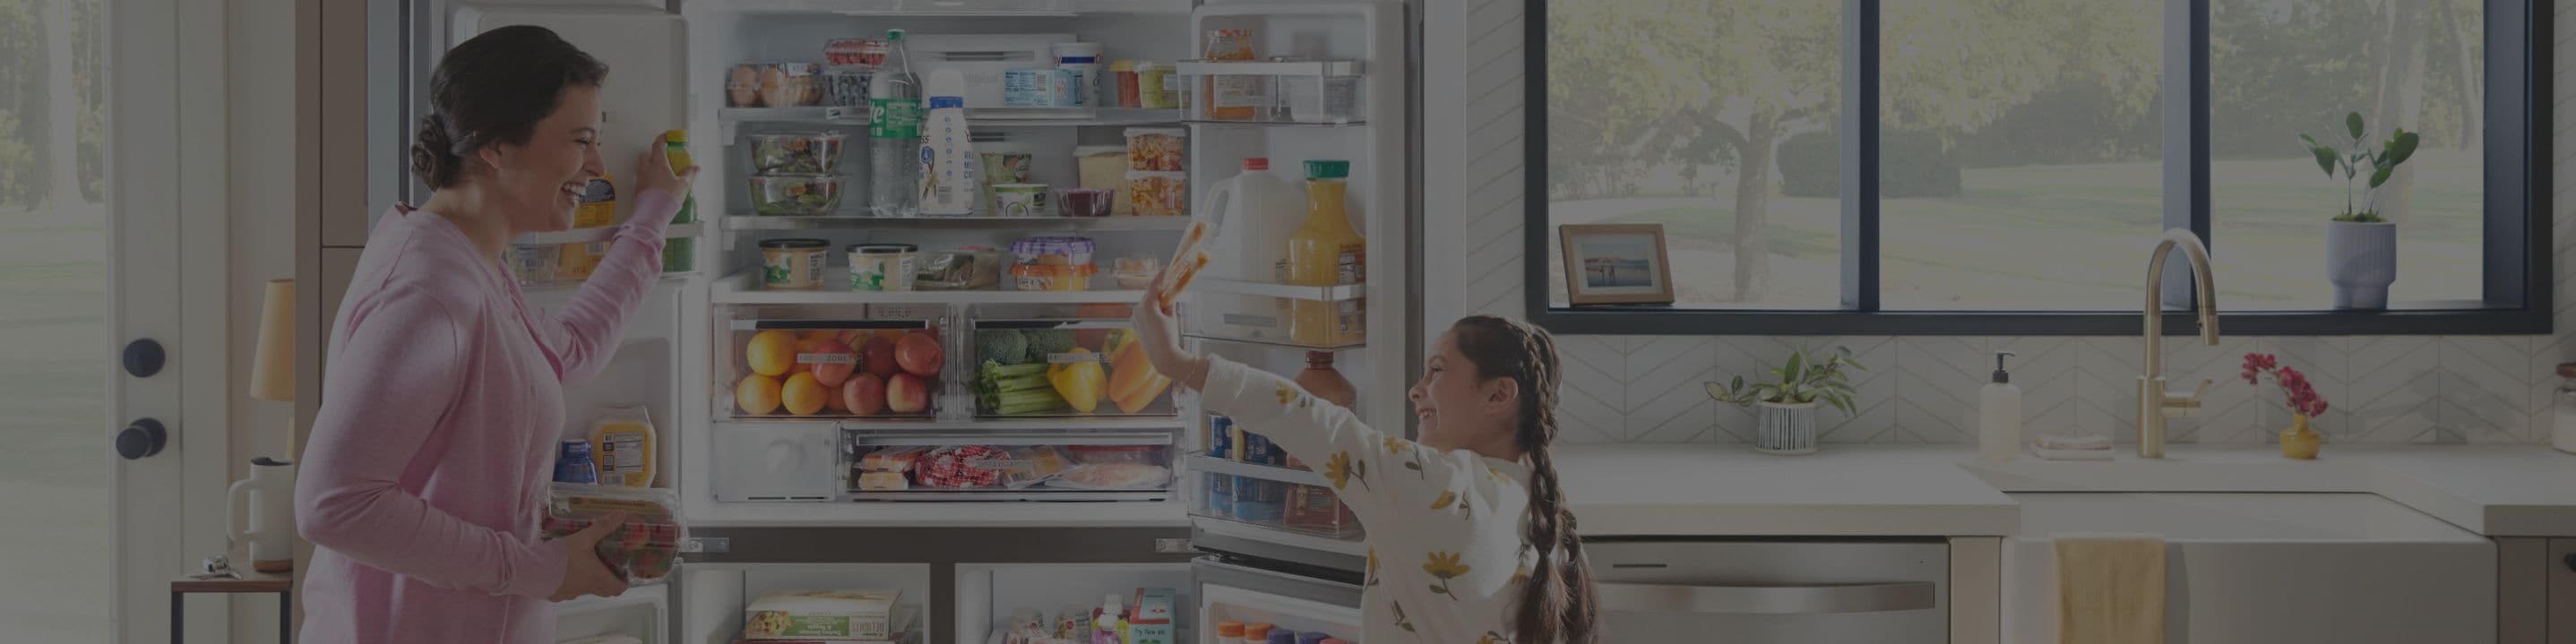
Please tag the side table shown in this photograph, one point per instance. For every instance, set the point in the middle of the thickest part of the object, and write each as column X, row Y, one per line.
column 250, row 582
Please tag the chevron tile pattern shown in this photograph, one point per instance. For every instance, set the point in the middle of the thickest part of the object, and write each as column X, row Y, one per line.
column 2404, row 389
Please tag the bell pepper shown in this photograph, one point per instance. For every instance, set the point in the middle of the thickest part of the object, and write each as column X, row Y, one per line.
column 1080, row 382
column 1133, row 383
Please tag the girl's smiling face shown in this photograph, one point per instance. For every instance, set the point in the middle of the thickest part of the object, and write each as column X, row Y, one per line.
column 1459, row 407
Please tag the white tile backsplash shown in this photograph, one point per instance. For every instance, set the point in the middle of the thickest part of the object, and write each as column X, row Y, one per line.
column 2409, row 389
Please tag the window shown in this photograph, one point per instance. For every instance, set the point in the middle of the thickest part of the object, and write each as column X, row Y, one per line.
column 2016, row 160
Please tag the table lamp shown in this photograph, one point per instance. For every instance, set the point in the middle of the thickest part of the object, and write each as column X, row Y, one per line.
column 268, row 496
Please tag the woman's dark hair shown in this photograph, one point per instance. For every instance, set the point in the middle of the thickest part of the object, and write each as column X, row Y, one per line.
column 494, row 88
column 1559, row 604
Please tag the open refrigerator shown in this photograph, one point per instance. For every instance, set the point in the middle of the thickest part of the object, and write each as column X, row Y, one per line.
column 712, row 322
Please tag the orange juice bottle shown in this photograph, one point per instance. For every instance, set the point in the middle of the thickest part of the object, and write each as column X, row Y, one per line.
column 1327, row 252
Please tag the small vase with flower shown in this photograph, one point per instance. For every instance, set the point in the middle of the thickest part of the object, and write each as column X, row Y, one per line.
column 2298, row 441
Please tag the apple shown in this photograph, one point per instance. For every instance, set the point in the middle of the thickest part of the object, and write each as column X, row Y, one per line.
column 919, row 354
column 907, row 394
column 865, row 395
column 832, row 374
column 880, row 358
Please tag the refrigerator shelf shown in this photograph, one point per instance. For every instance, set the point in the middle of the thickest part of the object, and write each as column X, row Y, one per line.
column 1327, row 68
column 744, row 288
column 1214, row 465
column 1290, row 537
column 1080, row 224
column 1274, row 343
column 881, row 440
column 764, row 325
column 1039, row 494
column 1342, row 293
column 604, row 233
column 995, row 425
column 1275, row 123
column 989, row 118
column 948, row 8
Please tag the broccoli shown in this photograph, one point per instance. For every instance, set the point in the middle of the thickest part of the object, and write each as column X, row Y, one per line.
column 1005, row 346
column 1046, row 343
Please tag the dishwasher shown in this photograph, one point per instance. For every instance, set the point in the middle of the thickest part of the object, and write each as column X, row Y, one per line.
column 1772, row 591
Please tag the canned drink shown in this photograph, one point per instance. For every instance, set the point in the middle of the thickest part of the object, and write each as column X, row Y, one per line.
column 573, row 464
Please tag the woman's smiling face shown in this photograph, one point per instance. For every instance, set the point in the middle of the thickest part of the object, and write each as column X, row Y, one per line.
column 539, row 182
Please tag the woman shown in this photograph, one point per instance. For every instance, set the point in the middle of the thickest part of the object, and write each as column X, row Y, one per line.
column 1469, row 524
column 427, row 469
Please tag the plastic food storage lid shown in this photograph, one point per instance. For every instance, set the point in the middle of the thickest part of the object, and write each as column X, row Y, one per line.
column 1328, row 169
column 1029, row 248
column 1134, row 132
column 799, row 243
column 882, row 248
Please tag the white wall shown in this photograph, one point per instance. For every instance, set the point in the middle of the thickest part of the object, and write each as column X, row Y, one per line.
column 2397, row 389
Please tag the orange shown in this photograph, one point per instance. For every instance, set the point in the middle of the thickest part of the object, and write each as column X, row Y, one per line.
column 757, row 395
column 804, row 395
column 771, row 353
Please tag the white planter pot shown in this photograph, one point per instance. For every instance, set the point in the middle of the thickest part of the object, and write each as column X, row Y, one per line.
column 1785, row 429
column 2361, row 260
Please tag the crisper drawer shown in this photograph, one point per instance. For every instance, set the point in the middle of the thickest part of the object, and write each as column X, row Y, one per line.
column 1753, row 592
column 772, row 365
column 1056, row 466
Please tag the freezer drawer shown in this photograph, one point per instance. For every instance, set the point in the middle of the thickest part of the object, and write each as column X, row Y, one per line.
column 1231, row 592
column 1755, row 592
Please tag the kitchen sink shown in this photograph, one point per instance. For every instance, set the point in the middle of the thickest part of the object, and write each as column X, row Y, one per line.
column 2270, row 568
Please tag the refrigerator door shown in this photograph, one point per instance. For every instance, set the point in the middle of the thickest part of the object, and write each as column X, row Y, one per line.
column 643, row 613
column 1235, row 592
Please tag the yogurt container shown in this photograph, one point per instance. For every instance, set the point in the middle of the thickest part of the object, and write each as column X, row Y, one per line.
column 882, row 267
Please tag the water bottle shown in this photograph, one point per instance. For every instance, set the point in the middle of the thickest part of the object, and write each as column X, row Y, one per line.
column 894, row 134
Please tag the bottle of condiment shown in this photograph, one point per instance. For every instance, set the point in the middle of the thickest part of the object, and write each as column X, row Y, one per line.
column 1324, row 382
column 1326, row 251
column 1257, row 632
column 1229, row 632
column 680, row 254
column 1104, row 624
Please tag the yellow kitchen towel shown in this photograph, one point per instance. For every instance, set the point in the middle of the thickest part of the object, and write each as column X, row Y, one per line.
column 2110, row 589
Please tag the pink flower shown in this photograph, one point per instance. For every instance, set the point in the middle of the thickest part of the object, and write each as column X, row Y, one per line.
column 2300, row 396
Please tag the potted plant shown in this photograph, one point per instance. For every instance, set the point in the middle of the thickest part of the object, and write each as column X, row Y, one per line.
column 2298, row 441
column 1786, row 403
column 2361, row 246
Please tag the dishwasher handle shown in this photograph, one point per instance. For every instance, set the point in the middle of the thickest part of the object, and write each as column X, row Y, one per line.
column 1765, row 599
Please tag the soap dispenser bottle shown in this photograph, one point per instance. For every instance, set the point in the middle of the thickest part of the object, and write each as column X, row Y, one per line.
column 1999, row 415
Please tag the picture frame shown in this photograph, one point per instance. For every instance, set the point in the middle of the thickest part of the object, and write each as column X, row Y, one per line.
column 1615, row 264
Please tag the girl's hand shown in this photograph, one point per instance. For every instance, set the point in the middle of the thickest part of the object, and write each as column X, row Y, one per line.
column 1158, row 333
column 653, row 172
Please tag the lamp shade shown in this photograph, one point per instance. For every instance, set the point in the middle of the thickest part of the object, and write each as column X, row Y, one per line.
column 272, row 368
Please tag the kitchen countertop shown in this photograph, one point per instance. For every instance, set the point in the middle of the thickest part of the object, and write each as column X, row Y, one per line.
column 1922, row 490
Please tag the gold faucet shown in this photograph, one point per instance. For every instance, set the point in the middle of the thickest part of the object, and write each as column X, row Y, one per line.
column 2155, row 403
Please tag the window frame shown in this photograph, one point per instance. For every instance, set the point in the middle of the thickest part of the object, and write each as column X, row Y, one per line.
column 2519, row 276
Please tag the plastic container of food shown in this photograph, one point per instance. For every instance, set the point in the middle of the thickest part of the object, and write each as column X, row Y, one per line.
column 1103, row 167
column 534, row 263
column 1020, row 200
column 1156, row 149
column 1136, row 273
column 1083, row 202
column 862, row 53
column 958, row 270
column 1158, row 194
column 793, row 264
column 1155, row 89
column 780, row 153
column 882, row 267
column 1053, row 263
column 795, row 195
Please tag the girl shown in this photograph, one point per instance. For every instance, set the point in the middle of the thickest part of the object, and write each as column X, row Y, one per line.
column 427, row 469
column 1469, row 538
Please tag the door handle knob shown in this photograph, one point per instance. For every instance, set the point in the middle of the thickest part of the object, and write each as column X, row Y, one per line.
column 144, row 357
column 144, row 438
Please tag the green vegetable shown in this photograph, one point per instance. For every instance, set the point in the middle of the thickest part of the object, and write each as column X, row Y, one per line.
column 1005, row 346
column 1015, row 389
column 1046, row 343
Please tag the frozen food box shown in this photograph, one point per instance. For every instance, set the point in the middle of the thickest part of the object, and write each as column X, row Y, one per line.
column 821, row 614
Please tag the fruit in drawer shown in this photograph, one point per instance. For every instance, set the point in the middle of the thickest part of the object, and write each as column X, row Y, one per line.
column 919, row 354
column 835, row 363
column 907, row 394
column 802, row 395
column 771, row 353
column 864, row 394
column 878, row 358
column 757, row 395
